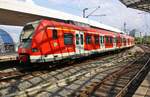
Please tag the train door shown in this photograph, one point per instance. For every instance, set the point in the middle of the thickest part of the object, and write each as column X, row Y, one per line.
column 79, row 42
column 102, row 42
column 114, row 42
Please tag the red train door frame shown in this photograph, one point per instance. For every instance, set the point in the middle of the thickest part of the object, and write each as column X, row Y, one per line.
column 114, row 42
column 102, row 42
column 79, row 42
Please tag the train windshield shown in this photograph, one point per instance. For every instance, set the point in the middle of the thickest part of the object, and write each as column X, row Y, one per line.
column 27, row 33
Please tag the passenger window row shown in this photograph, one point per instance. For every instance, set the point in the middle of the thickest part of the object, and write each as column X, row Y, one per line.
column 68, row 38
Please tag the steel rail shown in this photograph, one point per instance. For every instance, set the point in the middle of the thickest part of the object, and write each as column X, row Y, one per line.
column 17, row 74
column 86, row 92
column 121, row 93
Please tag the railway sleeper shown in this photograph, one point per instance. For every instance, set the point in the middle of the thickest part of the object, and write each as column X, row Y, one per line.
column 103, row 93
column 112, row 84
column 112, row 88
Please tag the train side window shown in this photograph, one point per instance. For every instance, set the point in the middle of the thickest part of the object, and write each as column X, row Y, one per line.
column 117, row 40
column 114, row 39
column 54, row 34
column 121, row 40
column 68, row 39
column 88, row 39
column 96, row 39
column 107, row 39
column 81, row 39
column 102, row 39
column 77, row 38
column 124, row 40
column 111, row 39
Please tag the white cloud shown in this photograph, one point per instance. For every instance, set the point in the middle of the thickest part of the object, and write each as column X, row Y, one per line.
column 23, row 1
column 116, row 12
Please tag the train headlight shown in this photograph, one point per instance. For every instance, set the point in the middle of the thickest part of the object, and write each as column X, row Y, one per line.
column 35, row 50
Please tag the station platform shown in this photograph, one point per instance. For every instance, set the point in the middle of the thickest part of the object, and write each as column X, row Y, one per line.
column 8, row 57
column 144, row 89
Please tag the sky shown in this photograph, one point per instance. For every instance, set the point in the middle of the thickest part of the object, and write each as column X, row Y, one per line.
column 116, row 14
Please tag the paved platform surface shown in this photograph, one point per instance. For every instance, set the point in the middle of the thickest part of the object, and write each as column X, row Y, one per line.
column 8, row 57
column 144, row 88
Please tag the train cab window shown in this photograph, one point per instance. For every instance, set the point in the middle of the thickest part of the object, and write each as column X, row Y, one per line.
column 54, row 34
column 27, row 32
column 77, row 38
column 68, row 39
column 88, row 39
column 96, row 39
column 81, row 39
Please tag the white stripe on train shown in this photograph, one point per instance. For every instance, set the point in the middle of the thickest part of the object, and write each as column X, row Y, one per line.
column 53, row 57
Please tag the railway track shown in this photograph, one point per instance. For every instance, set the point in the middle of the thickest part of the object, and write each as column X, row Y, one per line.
column 80, row 82
column 35, row 82
column 16, row 72
column 115, row 84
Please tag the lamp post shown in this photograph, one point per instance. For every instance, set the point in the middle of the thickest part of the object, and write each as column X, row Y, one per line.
column 146, row 25
column 84, row 10
column 124, row 27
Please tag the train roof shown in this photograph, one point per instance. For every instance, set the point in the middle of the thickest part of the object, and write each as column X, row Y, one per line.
column 52, row 23
column 43, row 12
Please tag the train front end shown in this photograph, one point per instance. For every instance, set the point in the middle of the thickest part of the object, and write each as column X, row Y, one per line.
column 24, row 48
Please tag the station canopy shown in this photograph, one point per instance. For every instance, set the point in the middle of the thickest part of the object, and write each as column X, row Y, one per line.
column 5, row 37
column 143, row 5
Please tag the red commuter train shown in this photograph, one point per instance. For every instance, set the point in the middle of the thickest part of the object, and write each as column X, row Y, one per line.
column 49, row 40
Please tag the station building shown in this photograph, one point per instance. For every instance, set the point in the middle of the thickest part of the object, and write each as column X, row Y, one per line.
column 6, row 43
